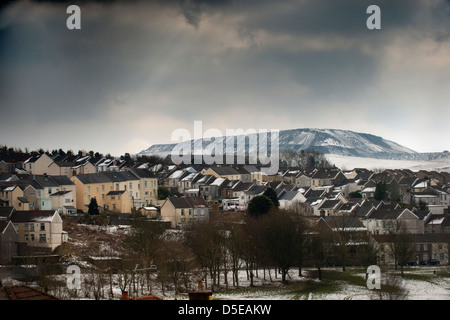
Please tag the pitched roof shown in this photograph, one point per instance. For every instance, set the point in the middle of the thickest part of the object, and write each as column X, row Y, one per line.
column 21, row 292
column 188, row 202
column 346, row 223
column 197, row 202
column 106, row 176
column 115, row 192
column 6, row 212
column 330, row 204
column 288, row 195
column 180, row 202
column 60, row 193
column 242, row 186
column 35, row 215
column 142, row 173
column 323, row 173
column 387, row 213
column 3, row 225
column 310, row 193
column 225, row 171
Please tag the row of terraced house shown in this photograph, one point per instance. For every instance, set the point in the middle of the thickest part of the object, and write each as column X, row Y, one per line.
column 419, row 200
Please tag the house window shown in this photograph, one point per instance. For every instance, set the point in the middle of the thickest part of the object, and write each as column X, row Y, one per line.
column 89, row 189
column 32, row 227
column 182, row 212
column 190, row 211
column 42, row 227
column 42, row 237
column 26, row 226
column 131, row 185
column 89, row 198
column 103, row 187
column 32, row 237
column 67, row 200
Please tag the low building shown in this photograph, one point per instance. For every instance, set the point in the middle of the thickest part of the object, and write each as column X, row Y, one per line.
column 42, row 229
column 425, row 249
column 8, row 241
column 183, row 211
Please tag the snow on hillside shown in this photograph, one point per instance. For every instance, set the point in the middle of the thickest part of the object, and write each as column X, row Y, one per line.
column 326, row 141
column 346, row 162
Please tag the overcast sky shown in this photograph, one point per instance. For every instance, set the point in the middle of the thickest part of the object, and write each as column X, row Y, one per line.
column 138, row 70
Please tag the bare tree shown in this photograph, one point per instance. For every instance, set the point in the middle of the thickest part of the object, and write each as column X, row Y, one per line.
column 401, row 243
column 320, row 242
column 281, row 232
column 206, row 242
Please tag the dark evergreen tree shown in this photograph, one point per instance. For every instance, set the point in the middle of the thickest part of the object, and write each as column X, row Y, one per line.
column 93, row 207
column 380, row 191
column 163, row 193
column 259, row 206
column 272, row 195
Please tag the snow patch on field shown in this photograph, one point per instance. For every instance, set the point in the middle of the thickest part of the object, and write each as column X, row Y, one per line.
column 348, row 163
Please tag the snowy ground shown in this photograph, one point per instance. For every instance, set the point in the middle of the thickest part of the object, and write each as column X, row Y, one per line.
column 420, row 283
column 348, row 163
column 425, row 285
column 434, row 288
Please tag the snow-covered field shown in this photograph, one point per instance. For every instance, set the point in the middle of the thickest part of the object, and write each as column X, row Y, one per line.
column 348, row 163
column 420, row 283
column 437, row 288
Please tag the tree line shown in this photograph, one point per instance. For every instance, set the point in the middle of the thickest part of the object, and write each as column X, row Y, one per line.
column 263, row 242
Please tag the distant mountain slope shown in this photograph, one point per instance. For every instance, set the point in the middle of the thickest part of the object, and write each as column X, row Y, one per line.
column 326, row 141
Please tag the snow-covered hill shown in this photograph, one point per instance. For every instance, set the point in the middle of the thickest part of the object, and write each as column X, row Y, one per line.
column 327, row 141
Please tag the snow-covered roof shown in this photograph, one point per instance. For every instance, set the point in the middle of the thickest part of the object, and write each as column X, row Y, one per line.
column 437, row 221
column 176, row 174
column 218, row 182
